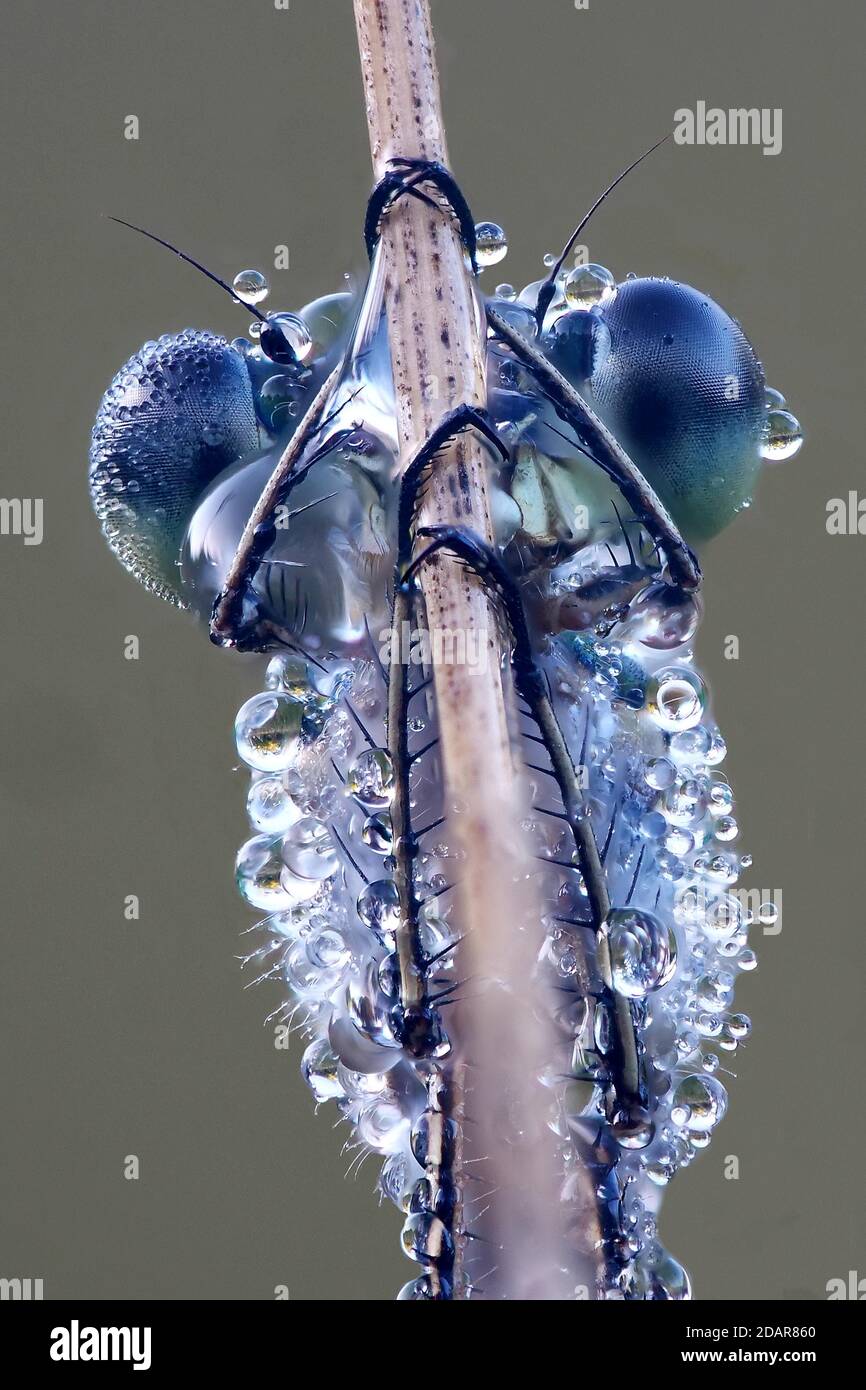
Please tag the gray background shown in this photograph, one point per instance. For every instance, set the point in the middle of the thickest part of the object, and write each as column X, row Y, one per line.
column 118, row 777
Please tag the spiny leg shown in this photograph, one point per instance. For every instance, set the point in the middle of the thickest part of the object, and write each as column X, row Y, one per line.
column 417, row 1020
column 437, row 1198
column 486, row 564
column 226, row 624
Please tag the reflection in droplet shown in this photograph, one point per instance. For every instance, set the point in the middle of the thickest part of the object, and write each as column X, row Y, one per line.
column 783, row 436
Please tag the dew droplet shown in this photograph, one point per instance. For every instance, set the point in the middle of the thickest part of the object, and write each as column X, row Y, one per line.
column 704, row 1098
column 491, row 243
column 589, row 285
column 377, row 834
column 371, row 778
column 251, row 286
column 270, row 808
column 723, row 918
column 268, row 731
column 258, row 874
column 286, row 338
column 664, row 617
column 782, row 436
column 643, row 951
column 658, row 1277
column 379, row 908
column 660, row 774
column 309, row 851
column 676, row 698
column 633, row 1131
column 319, row 1070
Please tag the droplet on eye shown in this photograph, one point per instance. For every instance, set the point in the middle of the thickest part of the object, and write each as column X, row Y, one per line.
column 782, row 437
column 491, row 244
column 251, row 286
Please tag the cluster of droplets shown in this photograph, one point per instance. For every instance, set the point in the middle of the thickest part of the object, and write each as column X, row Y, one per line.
column 783, row 434
column 677, row 932
column 319, row 865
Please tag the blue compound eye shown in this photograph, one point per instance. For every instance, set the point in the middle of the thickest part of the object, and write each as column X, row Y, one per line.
column 681, row 388
column 176, row 414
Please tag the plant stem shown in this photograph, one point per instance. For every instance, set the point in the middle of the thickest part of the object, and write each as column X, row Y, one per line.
column 437, row 337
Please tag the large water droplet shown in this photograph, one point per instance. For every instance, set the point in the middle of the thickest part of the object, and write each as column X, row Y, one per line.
column 588, row 285
column 257, row 873
column 643, row 951
column 699, row 1102
column 268, row 731
column 676, row 697
column 783, row 436
column 664, row 617
column 377, row 834
column 319, row 1070
column 285, row 338
column 491, row 243
column 270, row 808
column 371, row 778
column 309, row 850
column 657, row 1276
column 379, row 908
column 251, row 286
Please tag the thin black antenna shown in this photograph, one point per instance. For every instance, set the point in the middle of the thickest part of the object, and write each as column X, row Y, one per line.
column 189, row 260
column 548, row 288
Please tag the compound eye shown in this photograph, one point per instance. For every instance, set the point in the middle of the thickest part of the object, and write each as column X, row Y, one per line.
column 175, row 415
column 683, row 391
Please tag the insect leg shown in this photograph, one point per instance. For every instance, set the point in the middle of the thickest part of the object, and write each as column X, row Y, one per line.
column 404, row 179
column 419, row 1026
column 226, row 624
column 485, row 562
column 607, row 452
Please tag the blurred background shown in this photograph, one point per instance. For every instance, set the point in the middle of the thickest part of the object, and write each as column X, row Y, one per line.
column 118, row 777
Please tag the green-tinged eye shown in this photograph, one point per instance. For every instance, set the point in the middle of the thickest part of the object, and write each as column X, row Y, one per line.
column 682, row 389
